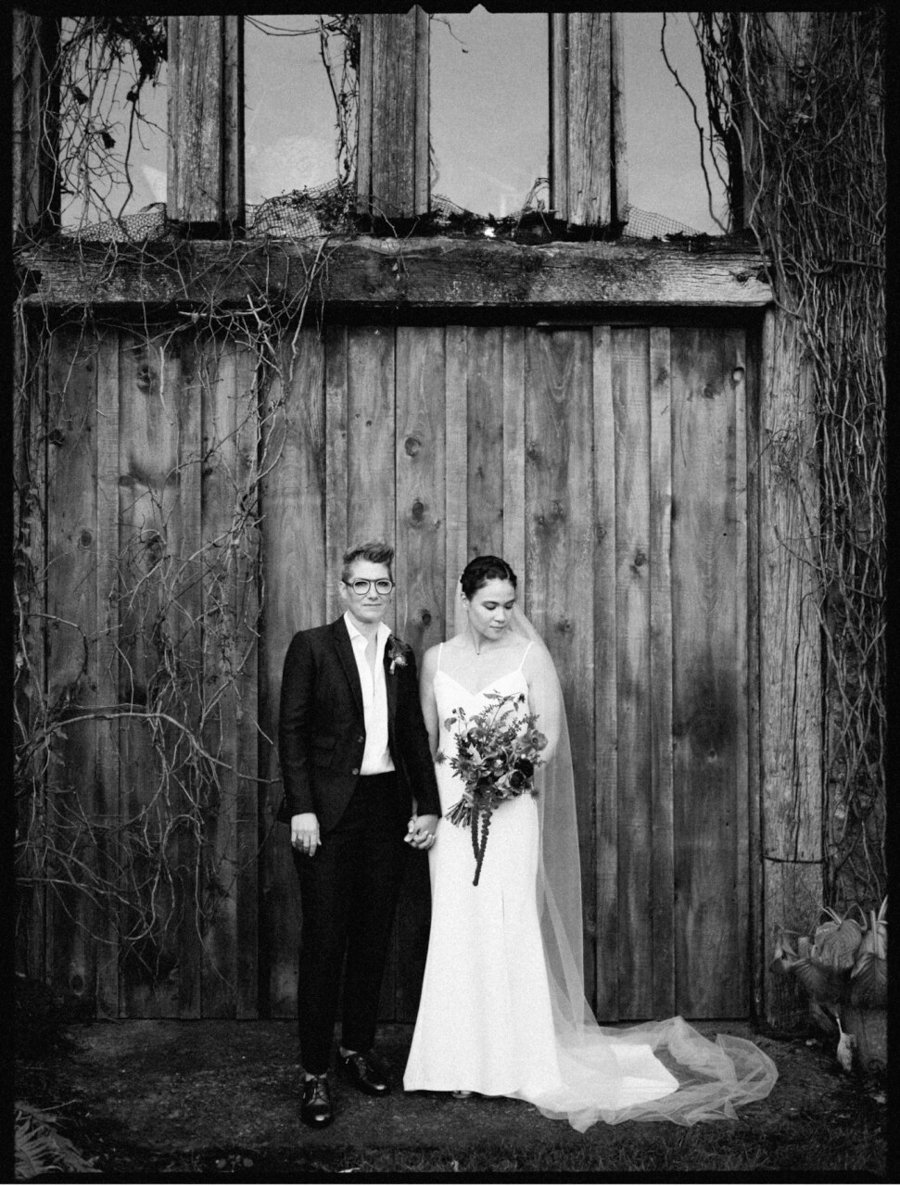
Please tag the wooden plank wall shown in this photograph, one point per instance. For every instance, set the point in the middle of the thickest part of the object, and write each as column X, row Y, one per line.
column 83, row 781
column 607, row 463
column 152, row 606
column 568, row 451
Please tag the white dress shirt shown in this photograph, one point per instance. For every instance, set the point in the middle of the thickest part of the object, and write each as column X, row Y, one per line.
column 376, row 756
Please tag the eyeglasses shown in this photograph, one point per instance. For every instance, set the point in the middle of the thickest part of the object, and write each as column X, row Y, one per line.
column 361, row 586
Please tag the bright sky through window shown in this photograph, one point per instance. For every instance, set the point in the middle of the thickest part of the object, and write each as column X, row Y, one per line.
column 112, row 153
column 489, row 108
column 290, row 117
column 663, row 144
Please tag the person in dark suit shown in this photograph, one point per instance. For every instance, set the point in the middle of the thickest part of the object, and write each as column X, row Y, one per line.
column 356, row 765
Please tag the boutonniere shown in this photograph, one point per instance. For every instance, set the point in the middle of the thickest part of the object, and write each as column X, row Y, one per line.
column 396, row 651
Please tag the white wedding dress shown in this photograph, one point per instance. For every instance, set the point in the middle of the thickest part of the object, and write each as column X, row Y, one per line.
column 486, row 1022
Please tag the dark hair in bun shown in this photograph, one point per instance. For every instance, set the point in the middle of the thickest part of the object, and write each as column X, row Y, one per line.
column 482, row 569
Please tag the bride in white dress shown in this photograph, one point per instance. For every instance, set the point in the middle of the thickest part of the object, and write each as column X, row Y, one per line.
column 503, row 1010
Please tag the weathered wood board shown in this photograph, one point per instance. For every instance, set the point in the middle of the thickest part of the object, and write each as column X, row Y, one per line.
column 387, row 274
column 294, row 533
column 709, row 676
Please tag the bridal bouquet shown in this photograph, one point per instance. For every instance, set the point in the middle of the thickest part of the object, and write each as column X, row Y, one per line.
column 497, row 752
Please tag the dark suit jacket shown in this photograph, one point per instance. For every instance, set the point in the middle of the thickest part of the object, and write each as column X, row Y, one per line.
column 321, row 729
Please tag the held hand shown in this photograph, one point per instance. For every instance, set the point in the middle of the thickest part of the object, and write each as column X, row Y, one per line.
column 305, row 833
column 421, row 833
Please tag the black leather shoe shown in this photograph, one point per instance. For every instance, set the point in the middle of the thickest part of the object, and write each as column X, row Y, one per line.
column 317, row 1110
column 366, row 1072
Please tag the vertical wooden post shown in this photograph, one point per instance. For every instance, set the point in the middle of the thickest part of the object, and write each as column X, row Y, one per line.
column 206, row 122
column 31, row 434
column 34, row 132
column 392, row 160
column 790, row 675
column 789, row 662
column 587, row 159
column 788, row 35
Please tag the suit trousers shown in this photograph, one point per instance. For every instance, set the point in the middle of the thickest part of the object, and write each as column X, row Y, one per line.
column 348, row 898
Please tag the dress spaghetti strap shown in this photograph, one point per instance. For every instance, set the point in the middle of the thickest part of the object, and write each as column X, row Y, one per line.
column 524, row 654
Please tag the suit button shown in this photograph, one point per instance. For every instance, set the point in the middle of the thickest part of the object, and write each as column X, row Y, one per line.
column 361, row 740
column 355, row 770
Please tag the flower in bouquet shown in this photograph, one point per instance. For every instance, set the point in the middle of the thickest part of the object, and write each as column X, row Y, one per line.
column 497, row 753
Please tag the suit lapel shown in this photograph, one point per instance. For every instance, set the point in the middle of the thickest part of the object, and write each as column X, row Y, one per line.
column 344, row 649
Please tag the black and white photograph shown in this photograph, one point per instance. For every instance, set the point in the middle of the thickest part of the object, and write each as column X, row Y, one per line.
column 450, row 693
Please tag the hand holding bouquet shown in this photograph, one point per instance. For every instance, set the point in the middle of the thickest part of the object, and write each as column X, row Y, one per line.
column 497, row 752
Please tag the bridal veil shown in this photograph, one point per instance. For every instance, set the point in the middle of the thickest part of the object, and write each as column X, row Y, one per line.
column 656, row 1070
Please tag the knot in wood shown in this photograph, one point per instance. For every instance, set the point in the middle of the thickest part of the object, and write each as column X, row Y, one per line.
column 425, row 617
column 418, row 510
column 640, row 559
column 145, row 377
column 86, row 538
column 412, row 446
column 153, row 541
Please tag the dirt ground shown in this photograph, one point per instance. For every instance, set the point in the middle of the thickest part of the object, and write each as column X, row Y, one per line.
column 221, row 1097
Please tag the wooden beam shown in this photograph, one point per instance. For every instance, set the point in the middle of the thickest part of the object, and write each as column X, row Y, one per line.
column 586, row 130
column 206, row 121
column 392, row 161
column 392, row 274
column 35, row 131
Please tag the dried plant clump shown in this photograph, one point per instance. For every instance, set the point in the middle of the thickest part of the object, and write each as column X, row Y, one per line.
column 842, row 968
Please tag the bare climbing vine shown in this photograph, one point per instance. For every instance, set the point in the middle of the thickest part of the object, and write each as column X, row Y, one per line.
column 800, row 97
column 135, row 676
